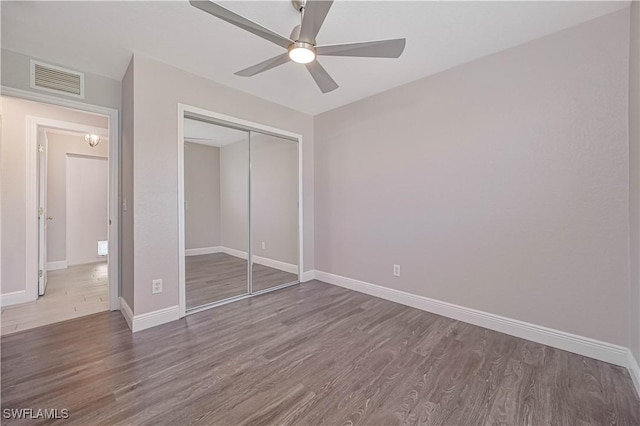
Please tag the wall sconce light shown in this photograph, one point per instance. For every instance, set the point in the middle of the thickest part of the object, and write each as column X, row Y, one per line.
column 92, row 140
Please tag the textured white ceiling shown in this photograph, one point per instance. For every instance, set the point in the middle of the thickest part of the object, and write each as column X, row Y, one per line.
column 99, row 37
column 196, row 131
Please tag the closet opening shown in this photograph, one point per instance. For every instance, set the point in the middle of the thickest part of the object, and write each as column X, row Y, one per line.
column 239, row 209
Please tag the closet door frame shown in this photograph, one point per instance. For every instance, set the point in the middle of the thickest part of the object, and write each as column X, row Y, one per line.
column 240, row 124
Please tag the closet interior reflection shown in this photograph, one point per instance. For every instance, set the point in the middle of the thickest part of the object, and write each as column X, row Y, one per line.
column 240, row 212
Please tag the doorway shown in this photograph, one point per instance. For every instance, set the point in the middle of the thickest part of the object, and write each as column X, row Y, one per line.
column 71, row 240
column 240, row 215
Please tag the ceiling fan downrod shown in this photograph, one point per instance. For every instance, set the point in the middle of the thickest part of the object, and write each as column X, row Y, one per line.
column 298, row 4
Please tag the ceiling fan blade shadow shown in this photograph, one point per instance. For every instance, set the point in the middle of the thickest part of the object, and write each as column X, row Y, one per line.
column 321, row 77
column 264, row 65
column 313, row 15
column 240, row 22
column 367, row 49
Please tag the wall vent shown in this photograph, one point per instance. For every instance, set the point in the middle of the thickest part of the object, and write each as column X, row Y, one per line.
column 55, row 79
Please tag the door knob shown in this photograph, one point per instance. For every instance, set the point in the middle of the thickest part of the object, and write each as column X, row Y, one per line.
column 49, row 217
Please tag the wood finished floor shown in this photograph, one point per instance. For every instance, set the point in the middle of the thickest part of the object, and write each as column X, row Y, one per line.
column 213, row 277
column 307, row 355
column 71, row 293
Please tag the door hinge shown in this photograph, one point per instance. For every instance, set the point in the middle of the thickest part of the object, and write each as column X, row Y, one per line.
column 40, row 148
column 40, row 273
column 40, row 211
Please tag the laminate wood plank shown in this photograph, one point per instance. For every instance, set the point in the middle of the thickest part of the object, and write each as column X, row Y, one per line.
column 305, row 355
column 218, row 276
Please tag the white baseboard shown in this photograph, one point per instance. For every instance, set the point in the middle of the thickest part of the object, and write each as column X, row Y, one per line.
column 152, row 319
column 203, row 250
column 276, row 264
column 127, row 313
column 89, row 262
column 114, row 303
column 634, row 370
column 13, row 298
column 233, row 252
column 585, row 346
column 307, row 276
column 54, row 266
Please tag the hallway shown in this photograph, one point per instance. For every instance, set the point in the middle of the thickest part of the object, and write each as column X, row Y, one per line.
column 71, row 293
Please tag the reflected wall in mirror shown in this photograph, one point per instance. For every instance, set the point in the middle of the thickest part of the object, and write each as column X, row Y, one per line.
column 216, row 196
column 274, row 211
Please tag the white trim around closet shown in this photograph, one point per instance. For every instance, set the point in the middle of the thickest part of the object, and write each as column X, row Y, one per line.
column 249, row 126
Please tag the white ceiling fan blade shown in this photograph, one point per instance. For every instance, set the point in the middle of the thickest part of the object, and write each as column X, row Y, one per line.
column 321, row 77
column 313, row 16
column 368, row 49
column 241, row 22
column 264, row 65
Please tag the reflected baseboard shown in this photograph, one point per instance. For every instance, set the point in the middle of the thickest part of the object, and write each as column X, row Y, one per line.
column 203, row 250
column 233, row 252
column 54, row 266
column 276, row 264
column 265, row 261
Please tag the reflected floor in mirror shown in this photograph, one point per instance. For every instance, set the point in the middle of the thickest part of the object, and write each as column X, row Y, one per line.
column 218, row 276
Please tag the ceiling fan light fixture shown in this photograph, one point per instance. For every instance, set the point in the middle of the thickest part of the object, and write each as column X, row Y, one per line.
column 302, row 53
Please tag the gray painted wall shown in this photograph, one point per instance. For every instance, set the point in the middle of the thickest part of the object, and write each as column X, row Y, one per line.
column 634, row 181
column 99, row 90
column 274, row 197
column 155, row 148
column 234, row 195
column 499, row 185
column 59, row 146
column 216, row 191
column 202, row 195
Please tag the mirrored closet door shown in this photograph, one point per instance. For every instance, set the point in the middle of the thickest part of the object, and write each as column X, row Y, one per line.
column 241, row 214
column 274, row 211
column 216, row 212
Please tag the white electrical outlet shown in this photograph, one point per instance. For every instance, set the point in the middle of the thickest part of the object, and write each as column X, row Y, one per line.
column 396, row 270
column 264, row 245
column 156, row 286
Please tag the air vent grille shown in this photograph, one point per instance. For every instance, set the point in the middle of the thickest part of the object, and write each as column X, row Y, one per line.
column 55, row 79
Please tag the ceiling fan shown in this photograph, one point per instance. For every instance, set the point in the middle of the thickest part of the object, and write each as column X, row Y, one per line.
column 301, row 45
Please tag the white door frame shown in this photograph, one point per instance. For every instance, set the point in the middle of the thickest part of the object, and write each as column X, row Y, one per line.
column 43, row 214
column 245, row 125
column 31, row 195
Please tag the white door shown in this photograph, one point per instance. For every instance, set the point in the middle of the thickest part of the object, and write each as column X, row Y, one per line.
column 87, row 208
column 43, row 217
